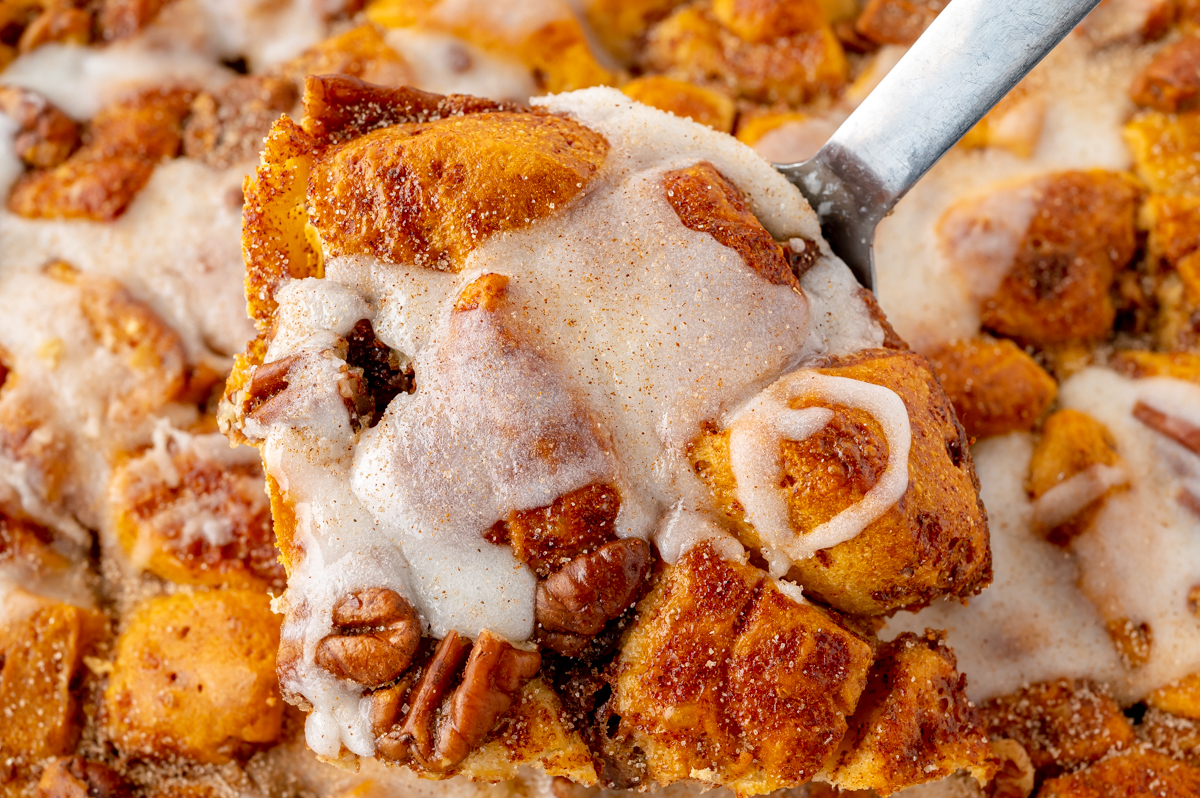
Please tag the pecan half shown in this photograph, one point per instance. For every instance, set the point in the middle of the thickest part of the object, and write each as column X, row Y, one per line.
column 269, row 380
column 47, row 136
column 376, row 635
column 491, row 681
column 435, row 682
column 386, row 706
column 593, row 588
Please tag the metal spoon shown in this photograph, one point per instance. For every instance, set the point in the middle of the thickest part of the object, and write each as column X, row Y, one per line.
column 968, row 59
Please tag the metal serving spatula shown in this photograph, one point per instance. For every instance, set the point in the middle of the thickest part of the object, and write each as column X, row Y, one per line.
column 968, row 59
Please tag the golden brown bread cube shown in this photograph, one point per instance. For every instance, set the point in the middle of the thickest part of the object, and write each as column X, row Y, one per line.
column 547, row 538
column 40, row 658
column 359, row 52
column 121, row 147
column 194, row 676
column 897, row 21
column 275, row 242
column 556, row 51
column 725, row 679
column 1179, row 365
column 621, row 25
column 1181, row 697
column 1136, row 773
column 64, row 25
column 706, row 201
column 1170, row 82
column 931, row 544
column 692, row 45
column 1173, row 249
column 1062, row 724
column 1165, row 150
column 914, row 722
column 1072, row 442
column 1175, row 736
column 996, row 388
column 206, row 522
column 764, row 20
column 47, row 136
column 699, row 103
column 1056, row 290
column 429, row 193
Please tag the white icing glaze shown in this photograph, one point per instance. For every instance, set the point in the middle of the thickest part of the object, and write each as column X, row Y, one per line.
column 176, row 247
column 82, row 80
column 1044, row 615
column 681, row 530
column 758, row 429
column 1031, row 624
column 204, row 517
column 1141, row 555
column 1066, row 499
column 621, row 331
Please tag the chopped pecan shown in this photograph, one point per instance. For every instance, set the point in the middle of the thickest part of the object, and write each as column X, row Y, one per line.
column 229, row 125
column 1015, row 777
column 428, row 694
column 593, row 588
column 493, row 677
column 76, row 777
column 269, row 380
column 47, row 136
column 1182, row 432
column 376, row 635
column 386, row 707
column 385, row 372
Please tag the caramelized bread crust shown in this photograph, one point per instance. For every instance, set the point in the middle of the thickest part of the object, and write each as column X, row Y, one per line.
column 932, row 543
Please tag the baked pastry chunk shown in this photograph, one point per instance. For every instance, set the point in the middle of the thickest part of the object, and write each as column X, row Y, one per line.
column 544, row 396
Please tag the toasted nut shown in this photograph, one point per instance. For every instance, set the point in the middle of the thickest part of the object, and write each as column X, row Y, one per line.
column 269, row 380
column 491, row 681
column 47, row 136
column 435, row 681
column 229, row 125
column 1015, row 777
column 377, row 633
column 386, row 706
column 76, row 777
column 593, row 588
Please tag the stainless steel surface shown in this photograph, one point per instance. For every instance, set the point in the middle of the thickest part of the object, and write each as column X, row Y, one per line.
column 968, row 59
